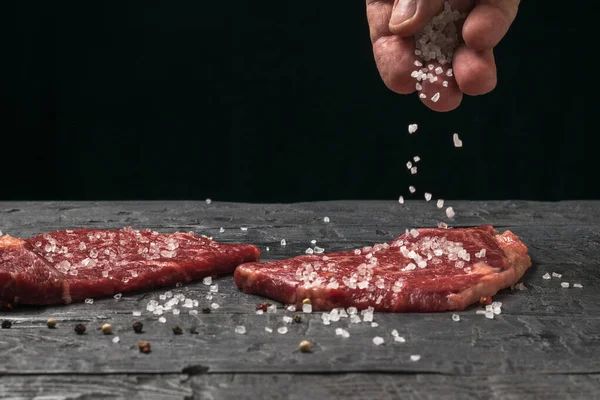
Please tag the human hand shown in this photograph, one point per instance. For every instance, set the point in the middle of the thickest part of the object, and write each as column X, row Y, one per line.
column 393, row 24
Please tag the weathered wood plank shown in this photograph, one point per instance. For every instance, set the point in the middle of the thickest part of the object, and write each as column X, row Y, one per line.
column 545, row 329
column 125, row 387
column 288, row 386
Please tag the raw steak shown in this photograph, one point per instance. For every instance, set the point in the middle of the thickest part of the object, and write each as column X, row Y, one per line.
column 69, row 266
column 425, row 270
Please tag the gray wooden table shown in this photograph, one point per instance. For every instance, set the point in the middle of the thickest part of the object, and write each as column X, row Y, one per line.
column 545, row 344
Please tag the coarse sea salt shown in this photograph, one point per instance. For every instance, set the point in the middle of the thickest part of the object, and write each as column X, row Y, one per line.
column 136, row 313
column 287, row 320
column 399, row 339
column 546, row 276
column 208, row 201
column 221, row 230
column 564, row 284
column 440, row 203
column 207, row 281
column 326, row 220
column 401, row 200
column 556, row 275
column 283, row 242
column 450, row 212
column 378, row 340
column 412, row 128
column 240, row 329
column 307, row 308
column 269, row 330
column 455, row 317
column 415, row 357
column 427, row 196
column 89, row 301
column 456, row 140
column 162, row 320
column 282, row 330
column 411, row 189
column 577, row 285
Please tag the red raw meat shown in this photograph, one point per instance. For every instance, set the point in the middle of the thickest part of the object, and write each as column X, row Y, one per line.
column 69, row 266
column 426, row 270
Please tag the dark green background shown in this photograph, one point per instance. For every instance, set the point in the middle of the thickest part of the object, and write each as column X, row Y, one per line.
column 273, row 101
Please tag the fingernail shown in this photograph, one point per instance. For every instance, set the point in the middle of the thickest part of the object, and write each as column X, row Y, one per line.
column 405, row 10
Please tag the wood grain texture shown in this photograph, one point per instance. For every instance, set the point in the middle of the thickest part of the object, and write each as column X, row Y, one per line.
column 546, row 336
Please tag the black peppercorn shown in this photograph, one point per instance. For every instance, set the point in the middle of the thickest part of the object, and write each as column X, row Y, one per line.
column 194, row 330
column 206, row 310
column 6, row 324
column 80, row 329
column 177, row 330
column 297, row 318
column 138, row 327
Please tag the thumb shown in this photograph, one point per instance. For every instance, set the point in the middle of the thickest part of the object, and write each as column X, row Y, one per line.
column 410, row 16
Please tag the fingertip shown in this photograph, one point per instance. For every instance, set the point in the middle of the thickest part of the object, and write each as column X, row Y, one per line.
column 394, row 57
column 475, row 71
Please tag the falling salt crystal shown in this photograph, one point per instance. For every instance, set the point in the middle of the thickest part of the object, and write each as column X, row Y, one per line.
column 418, row 86
column 221, row 230
column 240, row 329
column 489, row 314
column 427, row 196
column 291, row 308
column 309, row 251
column 118, row 296
column 450, row 212
column 214, row 288
column 440, row 203
column 577, row 285
column 399, row 339
column 176, row 311
column 555, row 275
column 409, row 165
column 283, row 243
column 208, row 201
column 214, row 306
column 411, row 189
column 89, row 301
column 116, row 339
column 326, row 219
column 455, row 317
column 415, row 357
column 307, row 308
column 435, row 97
column 243, row 228
column 564, row 284
column 282, row 330
column 287, row 320
column 400, row 200
column 546, row 276
column 412, row 128
column 207, row 280
column 136, row 313
column 378, row 340
column 456, row 140
column 413, row 170
column 162, row 320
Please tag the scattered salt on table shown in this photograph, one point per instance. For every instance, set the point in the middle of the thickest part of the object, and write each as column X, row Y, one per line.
column 287, row 320
column 240, row 329
column 378, row 340
column 455, row 317
column 401, row 200
column 208, row 201
column 282, row 330
column 283, row 242
column 193, row 312
column 546, row 276
column 354, row 319
column 440, row 203
column 207, row 280
column 399, row 339
column 162, row 320
column 427, row 196
column 319, row 250
column 564, row 284
column 214, row 288
column 272, row 309
column 326, row 219
column 555, row 275
column 309, row 251
column 291, row 308
column 307, row 308
column 89, row 301
column 577, row 285
column 374, row 324
column 243, row 228
column 136, row 313
column 450, row 212
column 267, row 329
column 214, row 306
column 489, row 314
column 259, row 312
column 116, row 339
column 415, row 357
column 221, row 230
column 118, row 296
column 176, row 311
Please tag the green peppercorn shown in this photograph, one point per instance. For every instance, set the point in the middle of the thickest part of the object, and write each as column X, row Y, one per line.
column 297, row 318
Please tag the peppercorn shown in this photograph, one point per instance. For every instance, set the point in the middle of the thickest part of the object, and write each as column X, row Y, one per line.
column 138, row 327
column 177, row 330
column 306, row 301
column 194, row 330
column 51, row 323
column 6, row 324
column 263, row 306
column 297, row 318
column 144, row 346
column 305, row 346
column 205, row 310
column 80, row 329
column 107, row 329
